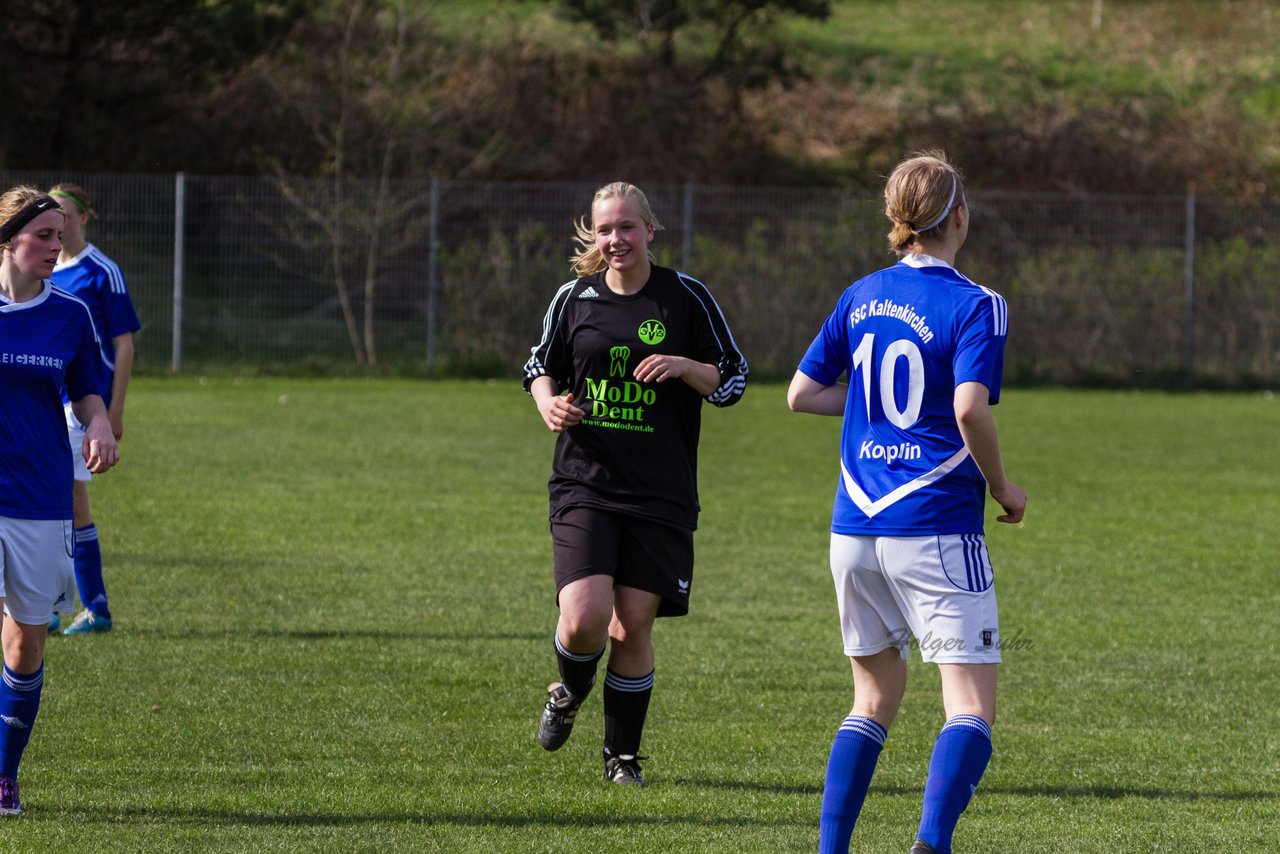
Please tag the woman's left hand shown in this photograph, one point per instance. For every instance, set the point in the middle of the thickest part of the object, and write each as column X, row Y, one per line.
column 700, row 377
column 661, row 367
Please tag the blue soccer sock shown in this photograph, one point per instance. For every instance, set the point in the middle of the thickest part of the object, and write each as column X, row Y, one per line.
column 854, row 753
column 93, row 590
column 19, row 703
column 960, row 757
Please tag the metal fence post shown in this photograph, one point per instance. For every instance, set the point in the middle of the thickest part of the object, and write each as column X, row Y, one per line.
column 265, row 295
column 433, row 273
column 179, row 235
column 686, row 236
column 1189, row 280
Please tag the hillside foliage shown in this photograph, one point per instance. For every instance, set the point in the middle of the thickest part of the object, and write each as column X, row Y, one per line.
column 1142, row 96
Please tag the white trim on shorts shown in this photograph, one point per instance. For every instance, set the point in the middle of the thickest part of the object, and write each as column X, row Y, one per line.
column 37, row 568
column 936, row 593
column 75, row 435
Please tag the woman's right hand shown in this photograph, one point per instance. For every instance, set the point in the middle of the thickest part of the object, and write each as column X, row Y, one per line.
column 559, row 413
column 99, row 448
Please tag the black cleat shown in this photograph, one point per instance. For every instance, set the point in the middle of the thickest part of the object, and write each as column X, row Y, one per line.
column 922, row 847
column 624, row 770
column 557, row 717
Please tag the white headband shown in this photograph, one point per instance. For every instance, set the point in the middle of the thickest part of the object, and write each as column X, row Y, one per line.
column 954, row 186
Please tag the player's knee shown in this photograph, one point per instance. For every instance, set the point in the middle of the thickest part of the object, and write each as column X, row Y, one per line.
column 24, row 649
column 631, row 632
column 583, row 630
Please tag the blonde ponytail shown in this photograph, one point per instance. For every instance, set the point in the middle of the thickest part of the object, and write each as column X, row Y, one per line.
column 918, row 198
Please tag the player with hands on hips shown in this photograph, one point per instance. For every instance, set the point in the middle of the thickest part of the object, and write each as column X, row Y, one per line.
column 47, row 343
column 922, row 351
column 629, row 351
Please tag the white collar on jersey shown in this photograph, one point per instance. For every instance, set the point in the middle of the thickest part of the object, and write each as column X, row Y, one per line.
column 921, row 260
column 62, row 265
column 8, row 305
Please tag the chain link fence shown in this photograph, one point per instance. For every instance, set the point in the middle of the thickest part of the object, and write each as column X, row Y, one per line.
column 454, row 277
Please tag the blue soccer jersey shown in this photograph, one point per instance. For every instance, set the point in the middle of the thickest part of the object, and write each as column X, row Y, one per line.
column 906, row 337
column 46, row 344
column 95, row 279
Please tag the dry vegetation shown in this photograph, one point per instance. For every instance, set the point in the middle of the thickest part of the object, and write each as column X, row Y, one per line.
column 1139, row 96
column 1160, row 95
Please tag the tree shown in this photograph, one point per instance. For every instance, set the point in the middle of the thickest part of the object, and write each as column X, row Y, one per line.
column 348, row 77
column 110, row 81
column 740, row 32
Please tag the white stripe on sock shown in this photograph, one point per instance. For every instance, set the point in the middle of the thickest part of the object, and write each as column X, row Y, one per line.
column 865, row 726
column 969, row 722
column 627, row 684
column 576, row 656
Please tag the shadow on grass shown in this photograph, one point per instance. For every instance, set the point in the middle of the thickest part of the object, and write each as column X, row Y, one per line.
column 334, row 634
column 606, row 818
column 1120, row 792
column 748, row 786
column 1069, row 792
column 232, row 818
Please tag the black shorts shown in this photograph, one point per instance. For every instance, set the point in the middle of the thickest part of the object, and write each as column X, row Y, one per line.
column 639, row 553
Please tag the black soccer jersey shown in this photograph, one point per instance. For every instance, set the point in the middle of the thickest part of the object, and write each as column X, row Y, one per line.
column 637, row 448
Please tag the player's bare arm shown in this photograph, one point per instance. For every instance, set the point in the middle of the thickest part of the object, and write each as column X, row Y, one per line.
column 557, row 410
column 120, row 381
column 808, row 395
column 978, row 427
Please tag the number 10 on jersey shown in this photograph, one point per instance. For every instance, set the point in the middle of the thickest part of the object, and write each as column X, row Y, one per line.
column 902, row 348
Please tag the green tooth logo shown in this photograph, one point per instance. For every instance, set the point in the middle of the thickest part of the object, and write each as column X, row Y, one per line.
column 618, row 357
column 652, row 332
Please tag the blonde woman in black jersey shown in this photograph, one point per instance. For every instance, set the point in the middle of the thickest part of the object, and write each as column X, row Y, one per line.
column 628, row 353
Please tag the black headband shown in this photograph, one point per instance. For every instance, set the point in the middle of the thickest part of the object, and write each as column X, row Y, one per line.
column 24, row 216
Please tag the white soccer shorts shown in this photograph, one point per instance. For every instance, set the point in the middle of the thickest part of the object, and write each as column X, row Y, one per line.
column 37, row 568
column 936, row 593
column 75, row 434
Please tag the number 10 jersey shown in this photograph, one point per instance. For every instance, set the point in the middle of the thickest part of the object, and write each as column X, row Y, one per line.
column 906, row 337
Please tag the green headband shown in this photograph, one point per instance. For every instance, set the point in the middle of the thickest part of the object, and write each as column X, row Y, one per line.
column 81, row 205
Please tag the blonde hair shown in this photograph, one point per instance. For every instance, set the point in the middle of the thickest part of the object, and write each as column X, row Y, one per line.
column 76, row 194
column 920, row 194
column 588, row 259
column 17, row 198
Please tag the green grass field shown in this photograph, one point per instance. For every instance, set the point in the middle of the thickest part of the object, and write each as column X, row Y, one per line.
column 333, row 605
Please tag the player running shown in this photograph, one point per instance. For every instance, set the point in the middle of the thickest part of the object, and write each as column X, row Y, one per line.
column 85, row 272
column 922, row 348
column 47, row 343
column 629, row 351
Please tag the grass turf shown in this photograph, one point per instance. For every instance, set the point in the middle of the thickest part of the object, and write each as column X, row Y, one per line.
column 333, row 609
